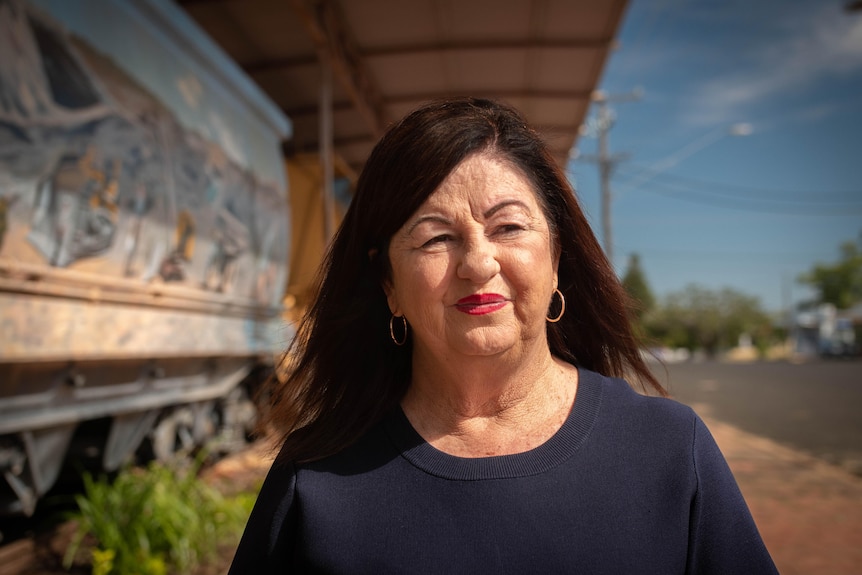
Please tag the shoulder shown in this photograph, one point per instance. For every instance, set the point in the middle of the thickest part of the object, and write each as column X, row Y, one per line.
column 620, row 400
column 270, row 524
column 636, row 427
column 660, row 426
column 293, row 489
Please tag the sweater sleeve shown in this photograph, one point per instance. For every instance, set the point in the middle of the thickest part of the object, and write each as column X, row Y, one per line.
column 270, row 533
column 723, row 537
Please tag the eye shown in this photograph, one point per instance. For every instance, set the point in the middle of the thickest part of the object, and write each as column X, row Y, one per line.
column 442, row 239
column 508, row 229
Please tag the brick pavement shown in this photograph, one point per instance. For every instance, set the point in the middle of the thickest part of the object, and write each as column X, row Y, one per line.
column 809, row 512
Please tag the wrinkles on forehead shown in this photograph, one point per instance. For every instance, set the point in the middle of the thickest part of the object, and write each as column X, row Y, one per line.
column 434, row 217
column 469, row 180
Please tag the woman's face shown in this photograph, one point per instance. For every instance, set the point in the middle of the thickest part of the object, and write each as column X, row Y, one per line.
column 473, row 270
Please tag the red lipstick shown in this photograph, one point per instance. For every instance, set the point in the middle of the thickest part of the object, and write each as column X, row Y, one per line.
column 481, row 303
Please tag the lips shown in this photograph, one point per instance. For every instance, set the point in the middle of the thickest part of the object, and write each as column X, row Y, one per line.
column 481, row 304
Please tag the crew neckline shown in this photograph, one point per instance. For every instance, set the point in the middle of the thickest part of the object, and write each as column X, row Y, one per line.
column 560, row 447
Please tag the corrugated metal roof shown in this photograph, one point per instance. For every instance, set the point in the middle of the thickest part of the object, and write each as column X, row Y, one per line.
column 544, row 57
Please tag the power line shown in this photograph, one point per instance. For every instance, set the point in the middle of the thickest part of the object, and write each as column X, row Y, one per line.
column 773, row 209
column 758, row 193
column 757, row 205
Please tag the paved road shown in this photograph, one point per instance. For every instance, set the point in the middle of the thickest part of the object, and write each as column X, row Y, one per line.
column 815, row 407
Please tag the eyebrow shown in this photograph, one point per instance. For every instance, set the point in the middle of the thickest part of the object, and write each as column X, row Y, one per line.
column 488, row 213
column 505, row 204
column 429, row 218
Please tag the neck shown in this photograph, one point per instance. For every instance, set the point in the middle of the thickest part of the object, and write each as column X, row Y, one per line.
column 489, row 405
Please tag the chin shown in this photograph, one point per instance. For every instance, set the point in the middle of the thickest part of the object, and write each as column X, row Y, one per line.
column 483, row 344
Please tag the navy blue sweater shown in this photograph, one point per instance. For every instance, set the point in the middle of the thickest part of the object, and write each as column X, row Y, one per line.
column 629, row 484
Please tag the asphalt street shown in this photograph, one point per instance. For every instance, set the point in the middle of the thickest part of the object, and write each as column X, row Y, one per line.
column 815, row 407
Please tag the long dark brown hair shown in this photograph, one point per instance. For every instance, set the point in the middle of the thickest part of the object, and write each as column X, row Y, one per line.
column 342, row 370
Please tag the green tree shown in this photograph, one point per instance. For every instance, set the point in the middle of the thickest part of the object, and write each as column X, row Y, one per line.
column 840, row 283
column 635, row 283
column 699, row 318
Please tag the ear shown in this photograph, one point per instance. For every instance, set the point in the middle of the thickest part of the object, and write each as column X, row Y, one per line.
column 556, row 264
column 556, row 252
column 391, row 298
column 387, row 286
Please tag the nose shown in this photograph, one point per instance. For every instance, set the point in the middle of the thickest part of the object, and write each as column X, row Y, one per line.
column 478, row 262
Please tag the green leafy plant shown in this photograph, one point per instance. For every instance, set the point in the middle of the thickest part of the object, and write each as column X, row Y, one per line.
column 155, row 520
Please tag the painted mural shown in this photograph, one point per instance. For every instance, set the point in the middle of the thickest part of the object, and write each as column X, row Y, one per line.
column 98, row 175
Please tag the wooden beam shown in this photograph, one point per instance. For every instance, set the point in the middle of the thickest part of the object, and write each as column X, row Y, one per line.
column 312, row 146
column 314, row 110
column 331, row 39
column 275, row 64
column 355, row 139
column 473, row 46
column 185, row 3
column 525, row 93
column 346, row 170
column 420, row 49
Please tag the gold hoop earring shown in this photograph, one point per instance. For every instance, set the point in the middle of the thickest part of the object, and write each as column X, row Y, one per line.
column 562, row 307
column 392, row 330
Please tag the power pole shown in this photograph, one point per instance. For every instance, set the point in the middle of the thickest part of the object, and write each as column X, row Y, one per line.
column 606, row 166
column 606, row 161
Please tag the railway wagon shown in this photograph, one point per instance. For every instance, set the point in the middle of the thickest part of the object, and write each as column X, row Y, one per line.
column 144, row 239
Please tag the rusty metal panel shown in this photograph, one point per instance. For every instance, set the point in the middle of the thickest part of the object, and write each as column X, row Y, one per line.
column 143, row 201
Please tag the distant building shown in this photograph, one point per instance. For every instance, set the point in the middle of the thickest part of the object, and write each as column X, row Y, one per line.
column 826, row 331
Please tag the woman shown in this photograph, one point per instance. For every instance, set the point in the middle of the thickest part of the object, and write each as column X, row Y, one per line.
column 452, row 403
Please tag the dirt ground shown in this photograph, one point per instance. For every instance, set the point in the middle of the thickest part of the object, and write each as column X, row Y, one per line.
column 809, row 512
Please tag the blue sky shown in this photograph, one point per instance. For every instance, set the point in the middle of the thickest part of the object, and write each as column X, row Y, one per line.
column 753, row 212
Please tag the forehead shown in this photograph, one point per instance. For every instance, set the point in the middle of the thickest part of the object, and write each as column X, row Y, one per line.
column 483, row 180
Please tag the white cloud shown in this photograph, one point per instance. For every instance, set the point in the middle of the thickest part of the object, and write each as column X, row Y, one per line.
column 807, row 48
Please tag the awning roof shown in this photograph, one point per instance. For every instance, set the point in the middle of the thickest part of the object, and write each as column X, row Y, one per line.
column 544, row 57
